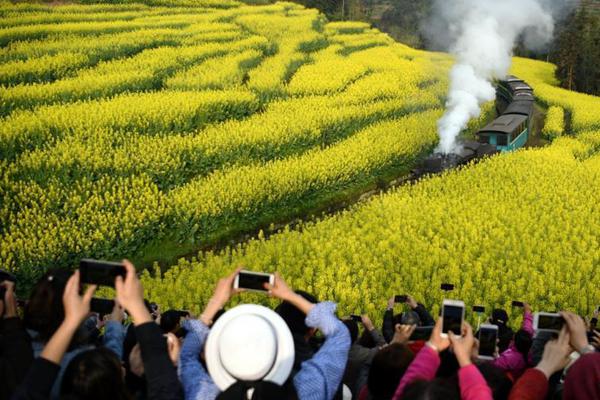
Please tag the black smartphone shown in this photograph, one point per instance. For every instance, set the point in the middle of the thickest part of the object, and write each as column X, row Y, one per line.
column 516, row 303
column 101, row 273
column 254, row 281
column 102, row 306
column 400, row 298
column 447, row 287
column 356, row 318
column 421, row 333
column 479, row 309
column 488, row 336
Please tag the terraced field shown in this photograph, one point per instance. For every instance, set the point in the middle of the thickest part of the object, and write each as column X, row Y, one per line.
column 152, row 130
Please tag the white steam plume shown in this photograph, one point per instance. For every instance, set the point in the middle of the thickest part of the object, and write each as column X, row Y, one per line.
column 482, row 34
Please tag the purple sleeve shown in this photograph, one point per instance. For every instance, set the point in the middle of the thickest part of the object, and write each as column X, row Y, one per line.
column 423, row 367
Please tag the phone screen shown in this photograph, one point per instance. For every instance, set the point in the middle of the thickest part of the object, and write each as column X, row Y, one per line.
column 100, row 272
column 401, row 298
column 447, row 286
column 452, row 319
column 253, row 281
column 479, row 309
column 550, row 322
column 487, row 341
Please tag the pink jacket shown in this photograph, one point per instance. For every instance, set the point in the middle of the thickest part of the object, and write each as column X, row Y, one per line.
column 425, row 365
column 511, row 360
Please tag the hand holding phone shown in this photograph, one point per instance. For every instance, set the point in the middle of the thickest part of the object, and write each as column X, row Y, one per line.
column 102, row 273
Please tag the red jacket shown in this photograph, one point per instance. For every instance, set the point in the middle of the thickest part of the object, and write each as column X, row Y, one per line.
column 533, row 385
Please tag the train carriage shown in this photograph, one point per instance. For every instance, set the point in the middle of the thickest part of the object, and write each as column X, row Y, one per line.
column 507, row 132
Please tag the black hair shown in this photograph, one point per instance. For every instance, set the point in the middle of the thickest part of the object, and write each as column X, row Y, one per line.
column 293, row 317
column 437, row 389
column 44, row 311
column 169, row 321
column 523, row 342
column 448, row 364
column 387, row 368
column 95, row 375
column 352, row 328
column 496, row 379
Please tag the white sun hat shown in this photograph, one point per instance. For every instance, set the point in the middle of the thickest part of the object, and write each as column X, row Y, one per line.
column 249, row 343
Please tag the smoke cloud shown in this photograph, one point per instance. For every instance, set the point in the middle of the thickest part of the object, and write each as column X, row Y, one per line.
column 481, row 34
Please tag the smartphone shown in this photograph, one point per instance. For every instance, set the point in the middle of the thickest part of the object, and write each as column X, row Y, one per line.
column 400, row 298
column 253, row 281
column 479, row 309
column 547, row 322
column 102, row 306
column 516, row 303
column 488, row 336
column 453, row 314
column 356, row 318
column 101, row 273
column 421, row 333
column 447, row 287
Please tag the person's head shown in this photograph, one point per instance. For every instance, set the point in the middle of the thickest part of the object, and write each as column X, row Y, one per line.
column 496, row 379
column 437, row 389
column 170, row 321
column 387, row 368
column 44, row 311
column 523, row 342
column 352, row 328
column 499, row 317
column 94, row 374
column 293, row 317
column 583, row 378
column 410, row 318
column 247, row 346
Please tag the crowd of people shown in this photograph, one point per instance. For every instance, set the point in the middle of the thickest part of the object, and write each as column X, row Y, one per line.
column 54, row 347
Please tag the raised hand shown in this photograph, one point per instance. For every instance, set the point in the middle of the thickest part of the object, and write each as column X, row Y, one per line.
column 130, row 295
column 556, row 354
column 77, row 307
column 463, row 345
column 223, row 292
column 402, row 333
column 577, row 330
column 436, row 340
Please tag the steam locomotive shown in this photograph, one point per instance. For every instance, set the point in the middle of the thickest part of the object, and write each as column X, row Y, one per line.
column 509, row 131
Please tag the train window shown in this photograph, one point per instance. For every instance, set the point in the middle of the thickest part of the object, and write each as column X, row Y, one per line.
column 502, row 140
column 484, row 139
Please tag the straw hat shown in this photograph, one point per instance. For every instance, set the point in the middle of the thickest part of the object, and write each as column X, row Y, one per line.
column 249, row 343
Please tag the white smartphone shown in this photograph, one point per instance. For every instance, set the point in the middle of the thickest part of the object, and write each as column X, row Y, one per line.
column 253, row 281
column 453, row 315
column 488, row 337
column 547, row 322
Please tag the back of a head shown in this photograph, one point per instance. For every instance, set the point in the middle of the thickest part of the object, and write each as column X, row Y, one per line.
column 293, row 317
column 352, row 328
column 499, row 317
column 496, row 379
column 410, row 318
column 437, row 389
column 583, row 378
column 169, row 321
column 387, row 368
column 94, row 374
column 523, row 342
column 44, row 311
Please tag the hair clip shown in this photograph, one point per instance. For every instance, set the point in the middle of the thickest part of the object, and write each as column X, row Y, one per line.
column 50, row 278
